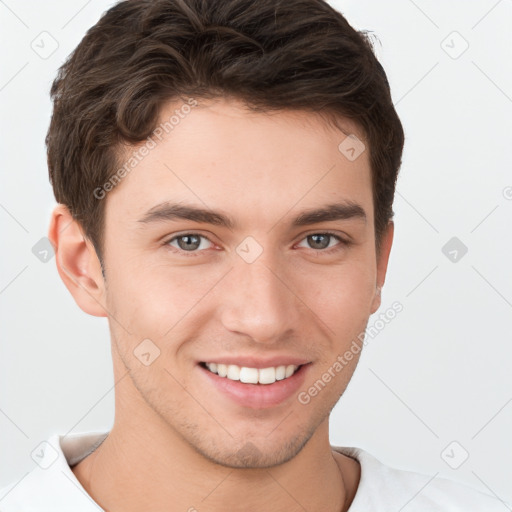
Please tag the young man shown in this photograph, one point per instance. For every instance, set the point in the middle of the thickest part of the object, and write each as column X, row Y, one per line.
column 225, row 173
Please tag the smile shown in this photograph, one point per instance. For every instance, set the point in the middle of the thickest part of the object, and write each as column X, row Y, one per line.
column 252, row 375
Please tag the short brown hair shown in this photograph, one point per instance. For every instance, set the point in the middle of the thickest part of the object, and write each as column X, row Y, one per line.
column 271, row 54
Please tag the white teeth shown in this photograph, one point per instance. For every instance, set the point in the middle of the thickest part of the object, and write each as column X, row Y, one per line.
column 233, row 372
column 222, row 369
column 252, row 375
column 267, row 375
column 290, row 369
column 280, row 372
column 249, row 375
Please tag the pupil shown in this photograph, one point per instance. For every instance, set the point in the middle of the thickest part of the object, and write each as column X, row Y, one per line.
column 192, row 242
column 321, row 245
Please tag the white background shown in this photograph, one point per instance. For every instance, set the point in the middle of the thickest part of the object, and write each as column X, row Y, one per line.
column 439, row 372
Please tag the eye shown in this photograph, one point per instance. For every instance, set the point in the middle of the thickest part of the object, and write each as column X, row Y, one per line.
column 194, row 243
column 189, row 242
column 322, row 241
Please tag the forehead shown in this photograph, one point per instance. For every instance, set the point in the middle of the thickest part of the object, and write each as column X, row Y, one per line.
column 220, row 154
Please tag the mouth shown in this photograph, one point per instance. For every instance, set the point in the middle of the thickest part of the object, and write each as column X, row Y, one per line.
column 249, row 375
column 255, row 388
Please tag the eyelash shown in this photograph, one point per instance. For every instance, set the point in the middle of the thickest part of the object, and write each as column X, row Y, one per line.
column 343, row 243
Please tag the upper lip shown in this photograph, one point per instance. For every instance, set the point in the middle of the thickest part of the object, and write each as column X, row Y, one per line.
column 257, row 362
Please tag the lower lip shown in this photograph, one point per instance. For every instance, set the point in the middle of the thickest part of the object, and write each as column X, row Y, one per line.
column 258, row 396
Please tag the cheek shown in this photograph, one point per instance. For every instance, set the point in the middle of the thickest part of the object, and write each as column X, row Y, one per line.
column 151, row 299
column 341, row 296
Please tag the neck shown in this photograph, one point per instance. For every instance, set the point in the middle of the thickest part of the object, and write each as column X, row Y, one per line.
column 144, row 464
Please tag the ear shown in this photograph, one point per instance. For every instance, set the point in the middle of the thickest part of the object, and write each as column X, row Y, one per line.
column 77, row 262
column 382, row 264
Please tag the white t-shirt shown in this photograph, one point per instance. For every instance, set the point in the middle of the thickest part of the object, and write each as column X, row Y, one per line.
column 52, row 487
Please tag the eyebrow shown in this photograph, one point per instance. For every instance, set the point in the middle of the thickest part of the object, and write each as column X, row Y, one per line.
column 167, row 211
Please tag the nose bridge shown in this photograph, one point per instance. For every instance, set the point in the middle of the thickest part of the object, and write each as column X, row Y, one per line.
column 257, row 302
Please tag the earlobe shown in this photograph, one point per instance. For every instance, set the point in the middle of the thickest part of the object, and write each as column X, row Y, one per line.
column 77, row 262
column 382, row 264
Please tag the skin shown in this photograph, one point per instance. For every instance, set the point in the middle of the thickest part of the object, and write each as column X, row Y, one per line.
column 177, row 442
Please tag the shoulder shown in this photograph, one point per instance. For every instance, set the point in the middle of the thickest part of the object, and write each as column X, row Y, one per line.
column 50, row 486
column 382, row 487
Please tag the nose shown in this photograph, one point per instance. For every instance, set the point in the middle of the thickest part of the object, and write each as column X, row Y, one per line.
column 258, row 301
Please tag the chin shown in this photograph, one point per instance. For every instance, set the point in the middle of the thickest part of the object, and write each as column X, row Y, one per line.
column 254, row 454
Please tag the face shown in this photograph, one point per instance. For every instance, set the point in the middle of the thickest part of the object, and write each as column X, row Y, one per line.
column 216, row 263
